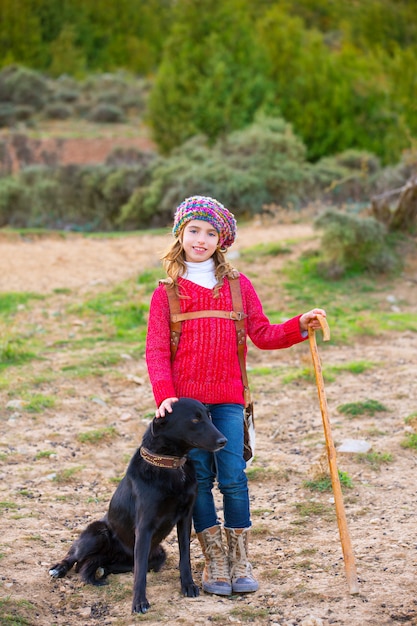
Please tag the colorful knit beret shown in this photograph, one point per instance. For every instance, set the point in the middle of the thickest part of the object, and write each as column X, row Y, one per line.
column 209, row 210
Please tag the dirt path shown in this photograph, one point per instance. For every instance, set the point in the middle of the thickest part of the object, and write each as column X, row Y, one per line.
column 295, row 546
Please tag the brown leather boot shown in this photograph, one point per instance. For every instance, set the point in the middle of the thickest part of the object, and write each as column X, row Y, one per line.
column 216, row 577
column 243, row 580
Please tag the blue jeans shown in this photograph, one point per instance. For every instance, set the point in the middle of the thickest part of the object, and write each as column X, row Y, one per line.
column 228, row 466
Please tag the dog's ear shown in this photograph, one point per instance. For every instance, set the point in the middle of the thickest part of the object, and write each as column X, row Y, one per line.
column 156, row 424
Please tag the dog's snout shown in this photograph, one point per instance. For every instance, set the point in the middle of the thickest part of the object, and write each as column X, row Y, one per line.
column 221, row 442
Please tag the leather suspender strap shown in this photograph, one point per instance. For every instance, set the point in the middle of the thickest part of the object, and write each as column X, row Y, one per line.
column 241, row 335
column 175, row 309
column 195, row 315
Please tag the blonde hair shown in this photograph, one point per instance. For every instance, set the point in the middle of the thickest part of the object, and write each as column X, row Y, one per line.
column 173, row 261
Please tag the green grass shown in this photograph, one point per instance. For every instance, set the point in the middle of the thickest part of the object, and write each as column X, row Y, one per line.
column 411, row 420
column 36, row 403
column 44, row 454
column 355, row 367
column 249, row 614
column 14, row 351
column 118, row 314
column 374, row 459
column 306, row 374
column 348, row 317
column 95, row 436
column 310, row 508
column 323, row 482
column 17, row 612
column 67, row 475
column 271, row 249
column 11, row 302
column 368, row 407
column 256, row 473
column 6, row 505
column 93, row 365
column 410, row 441
column 149, row 279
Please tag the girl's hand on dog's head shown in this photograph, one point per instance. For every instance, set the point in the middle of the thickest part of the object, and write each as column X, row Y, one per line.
column 165, row 407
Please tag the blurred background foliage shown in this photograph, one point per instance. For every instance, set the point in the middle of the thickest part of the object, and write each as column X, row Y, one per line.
column 257, row 102
column 343, row 73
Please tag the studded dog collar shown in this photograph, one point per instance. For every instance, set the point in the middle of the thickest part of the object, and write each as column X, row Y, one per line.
column 162, row 460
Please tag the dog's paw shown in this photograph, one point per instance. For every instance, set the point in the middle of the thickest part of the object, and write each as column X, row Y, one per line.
column 140, row 607
column 190, row 591
column 57, row 571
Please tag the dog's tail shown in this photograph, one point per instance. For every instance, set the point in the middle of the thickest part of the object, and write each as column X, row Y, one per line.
column 93, row 551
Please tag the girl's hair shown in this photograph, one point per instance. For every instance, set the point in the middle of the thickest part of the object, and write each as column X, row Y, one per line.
column 173, row 262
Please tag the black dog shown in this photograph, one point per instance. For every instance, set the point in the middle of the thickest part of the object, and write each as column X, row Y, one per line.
column 157, row 493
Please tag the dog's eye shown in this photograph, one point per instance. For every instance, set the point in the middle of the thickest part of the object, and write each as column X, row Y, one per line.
column 196, row 420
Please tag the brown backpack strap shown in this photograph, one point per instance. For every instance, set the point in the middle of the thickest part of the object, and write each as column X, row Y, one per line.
column 175, row 309
column 196, row 315
column 241, row 334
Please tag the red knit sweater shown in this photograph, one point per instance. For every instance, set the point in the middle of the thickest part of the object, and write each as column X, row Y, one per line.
column 206, row 366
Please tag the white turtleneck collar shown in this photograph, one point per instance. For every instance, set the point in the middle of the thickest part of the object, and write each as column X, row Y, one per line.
column 201, row 273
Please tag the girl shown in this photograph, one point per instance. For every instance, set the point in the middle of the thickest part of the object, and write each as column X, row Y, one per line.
column 206, row 367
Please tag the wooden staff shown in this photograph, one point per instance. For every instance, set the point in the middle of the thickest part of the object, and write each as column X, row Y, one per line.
column 348, row 556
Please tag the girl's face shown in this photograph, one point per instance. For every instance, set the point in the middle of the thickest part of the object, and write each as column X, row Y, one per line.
column 199, row 241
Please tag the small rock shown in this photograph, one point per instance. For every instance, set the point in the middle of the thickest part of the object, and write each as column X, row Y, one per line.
column 125, row 417
column 99, row 401
column 85, row 612
column 311, row 621
column 135, row 379
column 354, row 445
column 15, row 404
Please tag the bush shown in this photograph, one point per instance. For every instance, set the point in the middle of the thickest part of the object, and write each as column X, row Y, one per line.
column 20, row 85
column 350, row 176
column 107, row 114
column 66, row 95
column 14, row 206
column 7, row 114
column 24, row 112
column 129, row 156
column 6, row 161
column 353, row 244
column 81, row 198
column 57, row 111
column 246, row 170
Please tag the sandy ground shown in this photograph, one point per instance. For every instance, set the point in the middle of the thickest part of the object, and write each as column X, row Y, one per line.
column 295, row 548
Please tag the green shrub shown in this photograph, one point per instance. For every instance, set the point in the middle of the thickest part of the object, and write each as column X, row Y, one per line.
column 350, row 243
column 245, row 170
column 410, row 441
column 24, row 112
column 14, row 209
column 57, row 111
column 368, row 407
column 21, row 85
column 323, row 482
column 106, row 114
column 7, row 114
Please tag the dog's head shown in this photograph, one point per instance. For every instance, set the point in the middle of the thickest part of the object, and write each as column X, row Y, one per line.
column 189, row 424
